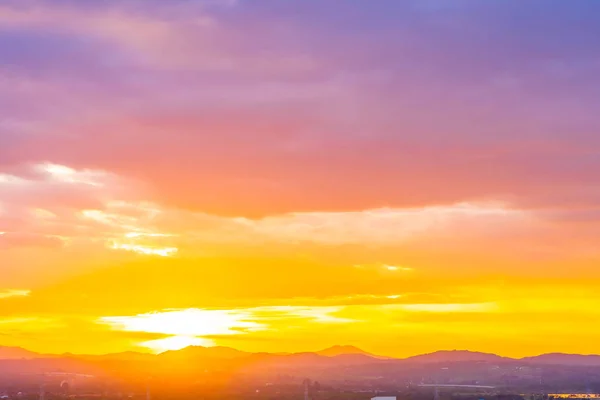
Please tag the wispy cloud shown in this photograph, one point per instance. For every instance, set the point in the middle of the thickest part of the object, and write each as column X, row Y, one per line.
column 146, row 250
column 6, row 293
column 452, row 308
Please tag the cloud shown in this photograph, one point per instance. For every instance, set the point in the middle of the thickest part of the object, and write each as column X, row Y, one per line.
column 8, row 240
column 57, row 201
column 449, row 308
column 377, row 225
column 108, row 221
column 151, row 229
column 90, row 211
column 404, row 117
column 6, row 293
column 147, row 250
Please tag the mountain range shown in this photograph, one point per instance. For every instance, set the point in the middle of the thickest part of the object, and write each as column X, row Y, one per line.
column 339, row 353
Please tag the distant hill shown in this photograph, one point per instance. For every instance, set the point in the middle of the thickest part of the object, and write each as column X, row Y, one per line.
column 16, row 353
column 204, row 352
column 564, row 359
column 124, row 356
column 296, row 359
column 343, row 350
column 358, row 359
column 455, row 356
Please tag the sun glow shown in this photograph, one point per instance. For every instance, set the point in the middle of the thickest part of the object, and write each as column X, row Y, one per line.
column 198, row 327
column 186, row 323
column 176, row 343
column 397, row 268
column 186, row 326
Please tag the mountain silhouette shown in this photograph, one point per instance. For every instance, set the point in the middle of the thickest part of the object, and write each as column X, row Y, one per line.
column 16, row 353
column 331, row 356
column 565, row 359
column 123, row 356
column 220, row 352
column 455, row 356
column 338, row 350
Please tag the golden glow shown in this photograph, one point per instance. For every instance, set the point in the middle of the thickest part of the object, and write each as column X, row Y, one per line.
column 397, row 268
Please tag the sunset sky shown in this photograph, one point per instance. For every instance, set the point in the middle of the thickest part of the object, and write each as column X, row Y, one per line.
column 286, row 175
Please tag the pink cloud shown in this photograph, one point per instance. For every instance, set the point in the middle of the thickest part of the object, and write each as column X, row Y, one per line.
column 10, row 240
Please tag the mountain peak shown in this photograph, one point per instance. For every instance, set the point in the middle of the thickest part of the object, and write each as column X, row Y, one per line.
column 338, row 350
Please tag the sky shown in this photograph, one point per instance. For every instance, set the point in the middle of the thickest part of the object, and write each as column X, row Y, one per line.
column 403, row 176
